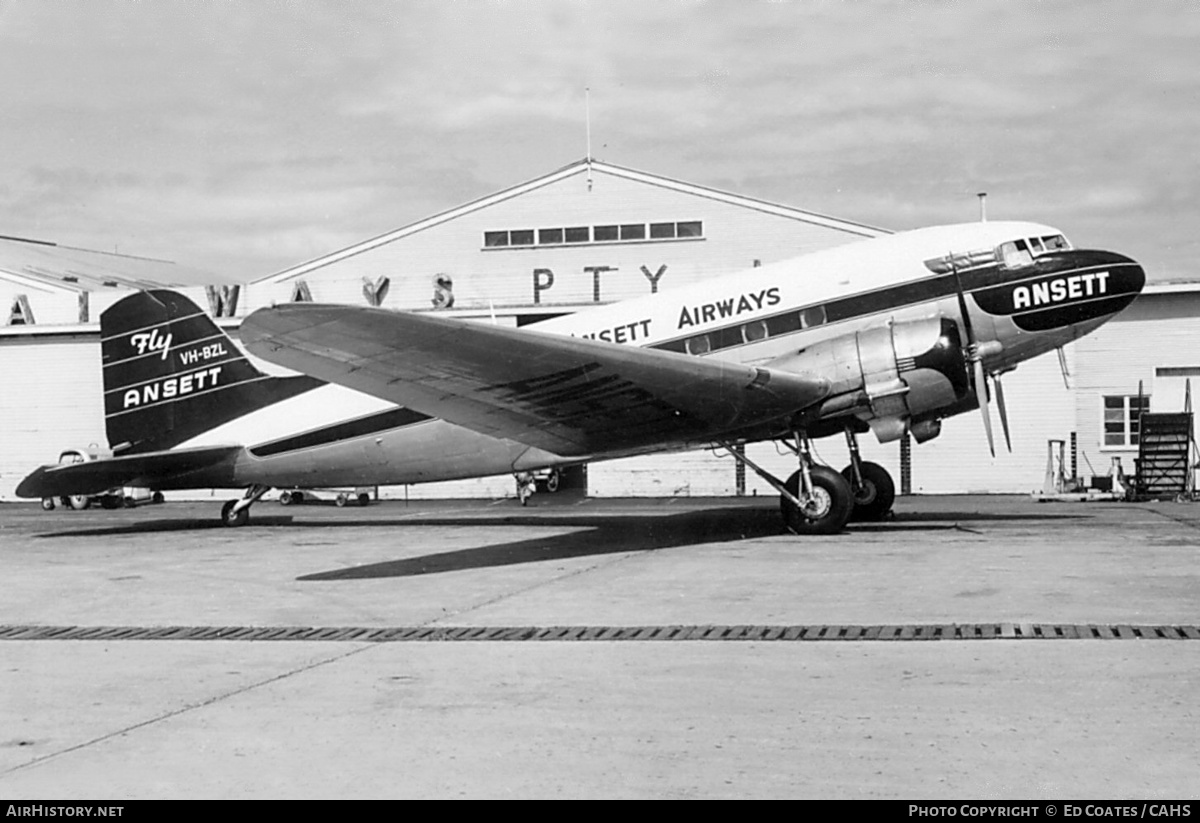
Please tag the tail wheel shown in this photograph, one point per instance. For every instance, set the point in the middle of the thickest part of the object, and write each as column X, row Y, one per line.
column 229, row 517
column 48, row 504
column 874, row 499
column 828, row 509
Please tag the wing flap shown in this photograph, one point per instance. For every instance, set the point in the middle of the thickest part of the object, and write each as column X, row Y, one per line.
column 567, row 395
column 152, row 470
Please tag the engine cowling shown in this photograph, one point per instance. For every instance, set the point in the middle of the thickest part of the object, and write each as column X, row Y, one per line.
column 888, row 376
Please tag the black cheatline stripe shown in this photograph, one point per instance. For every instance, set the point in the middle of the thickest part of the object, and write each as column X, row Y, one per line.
column 863, row 304
column 741, row 632
column 358, row 427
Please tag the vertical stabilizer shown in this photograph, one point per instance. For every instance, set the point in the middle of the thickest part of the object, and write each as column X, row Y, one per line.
column 171, row 374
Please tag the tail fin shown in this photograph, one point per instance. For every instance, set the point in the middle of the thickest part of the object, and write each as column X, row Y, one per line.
column 170, row 374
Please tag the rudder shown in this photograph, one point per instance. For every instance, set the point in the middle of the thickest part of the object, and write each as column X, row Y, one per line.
column 171, row 374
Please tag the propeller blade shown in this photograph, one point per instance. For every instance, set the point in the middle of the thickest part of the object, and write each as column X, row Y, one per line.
column 975, row 358
column 981, row 395
column 1003, row 411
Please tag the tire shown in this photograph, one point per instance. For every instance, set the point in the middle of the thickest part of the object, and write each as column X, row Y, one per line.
column 79, row 502
column 231, row 518
column 129, row 503
column 553, row 481
column 157, row 497
column 110, row 501
column 833, row 503
column 342, row 500
column 364, row 499
column 874, row 500
column 47, row 504
column 285, row 498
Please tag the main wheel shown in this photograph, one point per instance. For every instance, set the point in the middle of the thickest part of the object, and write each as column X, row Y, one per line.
column 229, row 517
column 364, row 499
column 342, row 499
column 79, row 502
column 285, row 498
column 874, row 500
column 48, row 504
column 552, row 481
column 827, row 511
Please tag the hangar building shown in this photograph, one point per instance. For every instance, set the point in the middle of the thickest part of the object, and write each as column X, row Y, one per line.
column 588, row 233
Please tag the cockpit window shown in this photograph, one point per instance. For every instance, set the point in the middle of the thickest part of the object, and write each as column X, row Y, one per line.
column 1019, row 253
column 1015, row 254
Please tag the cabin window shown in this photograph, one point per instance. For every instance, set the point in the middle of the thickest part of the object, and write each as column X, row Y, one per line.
column 756, row 330
column 1122, row 419
column 698, row 345
column 813, row 316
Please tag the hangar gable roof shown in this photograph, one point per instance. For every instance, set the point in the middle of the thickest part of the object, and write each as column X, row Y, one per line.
column 584, row 166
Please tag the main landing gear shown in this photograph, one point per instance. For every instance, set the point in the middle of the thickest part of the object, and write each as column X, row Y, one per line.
column 873, row 488
column 815, row 499
column 818, row 500
column 237, row 512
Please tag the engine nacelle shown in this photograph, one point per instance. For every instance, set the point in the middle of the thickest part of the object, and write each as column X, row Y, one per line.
column 890, row 374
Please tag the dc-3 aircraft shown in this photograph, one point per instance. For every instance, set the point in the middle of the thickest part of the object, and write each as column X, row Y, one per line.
column 891, row 335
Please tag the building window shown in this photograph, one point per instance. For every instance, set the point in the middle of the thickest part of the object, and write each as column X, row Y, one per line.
column 1122, row 421
column 557, row 236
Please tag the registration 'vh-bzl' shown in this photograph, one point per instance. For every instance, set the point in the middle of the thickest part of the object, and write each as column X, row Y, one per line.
column 889, row 335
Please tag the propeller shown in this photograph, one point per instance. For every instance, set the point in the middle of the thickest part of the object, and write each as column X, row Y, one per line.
column 979, row 376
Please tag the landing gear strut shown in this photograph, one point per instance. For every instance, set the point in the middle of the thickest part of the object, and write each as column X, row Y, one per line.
column 873, row 488
column 237, row 512
column 815, row 499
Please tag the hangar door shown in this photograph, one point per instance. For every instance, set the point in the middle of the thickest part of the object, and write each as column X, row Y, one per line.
column 52, row 400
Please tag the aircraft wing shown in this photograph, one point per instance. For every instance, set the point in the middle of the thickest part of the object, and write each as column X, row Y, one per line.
column 111, row 472
column 567, row 395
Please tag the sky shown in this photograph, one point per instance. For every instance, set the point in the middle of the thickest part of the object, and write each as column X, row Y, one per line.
column 247, row 137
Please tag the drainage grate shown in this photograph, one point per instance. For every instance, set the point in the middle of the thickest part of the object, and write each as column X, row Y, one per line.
column 400, row 634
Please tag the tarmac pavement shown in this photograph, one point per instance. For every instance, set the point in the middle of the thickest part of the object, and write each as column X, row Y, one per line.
column 1004, row 718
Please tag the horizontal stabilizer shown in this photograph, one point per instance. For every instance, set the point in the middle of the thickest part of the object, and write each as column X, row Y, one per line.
column 153, row 470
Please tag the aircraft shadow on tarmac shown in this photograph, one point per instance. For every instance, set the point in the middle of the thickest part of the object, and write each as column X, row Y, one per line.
column 613, row 535
column 601, row 535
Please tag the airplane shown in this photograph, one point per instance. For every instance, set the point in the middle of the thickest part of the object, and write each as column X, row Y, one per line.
column 890, row 335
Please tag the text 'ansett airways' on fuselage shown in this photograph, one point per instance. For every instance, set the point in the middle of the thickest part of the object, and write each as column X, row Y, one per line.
column 692, row 315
